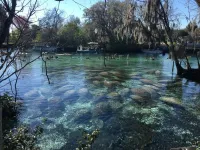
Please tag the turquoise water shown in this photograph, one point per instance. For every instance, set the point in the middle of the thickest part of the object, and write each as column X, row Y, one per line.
column 136, row 103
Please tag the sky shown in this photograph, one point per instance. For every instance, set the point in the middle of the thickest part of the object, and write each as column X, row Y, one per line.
column 70, row 7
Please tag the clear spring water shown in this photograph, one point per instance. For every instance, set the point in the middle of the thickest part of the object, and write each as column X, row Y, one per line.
column 136, row 103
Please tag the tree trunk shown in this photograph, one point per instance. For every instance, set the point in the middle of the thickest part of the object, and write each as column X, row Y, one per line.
column 178, row 66
column 1, row 130
column 8, row 22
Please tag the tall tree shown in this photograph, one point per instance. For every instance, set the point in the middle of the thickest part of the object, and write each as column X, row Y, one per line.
column 70, row 35
column 49, row 24
column 106, row 19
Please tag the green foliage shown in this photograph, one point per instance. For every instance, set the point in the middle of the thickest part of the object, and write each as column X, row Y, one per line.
column 9, row 106
column 14, row 36
column 71, row 34
column 106, row 20
column 87, row 140
column 22, row 138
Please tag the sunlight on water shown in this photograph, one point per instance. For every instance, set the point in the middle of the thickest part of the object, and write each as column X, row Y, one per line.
column 136, row 103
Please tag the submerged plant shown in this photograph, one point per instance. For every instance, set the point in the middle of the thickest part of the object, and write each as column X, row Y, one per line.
column 87, row 140
column 22, row 138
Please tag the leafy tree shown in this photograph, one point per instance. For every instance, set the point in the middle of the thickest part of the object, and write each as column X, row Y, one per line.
column 71, row 33
column 49, row 24
column 106, row 19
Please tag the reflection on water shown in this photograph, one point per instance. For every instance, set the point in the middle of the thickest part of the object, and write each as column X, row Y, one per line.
column 136, row 103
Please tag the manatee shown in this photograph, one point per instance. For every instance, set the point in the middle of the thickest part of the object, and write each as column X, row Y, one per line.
column 146, row 81
column 171, row 101
column 32, row 93
column 96, row 82
column 104, row 73
column 54, row 99
column 124, row 91
column 69, row 93
column 142, row 93
column 83, row 91
column 137, row 98
column 107, row 83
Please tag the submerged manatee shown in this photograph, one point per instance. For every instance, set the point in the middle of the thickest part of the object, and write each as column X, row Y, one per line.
column 83, row 91
column 124, row 92
column 69, row 93
column 104, row 73
column 150, row 90
column 157, row 72
column 113, row 95
column 107, row 83
column 146, row 81
column 102, row 110
column 54, row 99
column 171, row 101
column 95, row 82
column 142, row 93
column 32, row 93
column 137, row 98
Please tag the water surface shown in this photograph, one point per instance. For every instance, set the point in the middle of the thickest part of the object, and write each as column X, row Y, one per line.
column 136, row 103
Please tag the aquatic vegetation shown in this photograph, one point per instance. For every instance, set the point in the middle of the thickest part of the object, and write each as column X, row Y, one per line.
column 87, row 140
